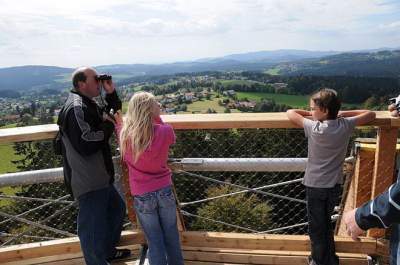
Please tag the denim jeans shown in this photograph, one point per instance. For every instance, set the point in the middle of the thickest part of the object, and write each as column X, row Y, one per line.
column 100, row 219
column 320, row 205
column 157, row 215
column 395, row 245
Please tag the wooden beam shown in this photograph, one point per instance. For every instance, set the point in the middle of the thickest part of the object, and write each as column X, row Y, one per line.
column 384, row 167
column 364, row 174
column 127, row 195
column 272, row 242
column 57, row 247
column 235, row 243
column 262, row 256
column 190, row 121
column 349, row 204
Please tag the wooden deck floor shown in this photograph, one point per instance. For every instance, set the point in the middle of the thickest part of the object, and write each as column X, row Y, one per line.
column 203, row 248
column 207, row 256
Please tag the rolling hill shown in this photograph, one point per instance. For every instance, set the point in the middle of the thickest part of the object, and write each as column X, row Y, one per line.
column 377, row 63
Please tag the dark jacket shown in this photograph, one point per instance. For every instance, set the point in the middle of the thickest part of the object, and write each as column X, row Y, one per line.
column 382, row 211
column 85, row 142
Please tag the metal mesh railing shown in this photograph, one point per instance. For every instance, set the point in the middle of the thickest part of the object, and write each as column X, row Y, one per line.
column 224, row 198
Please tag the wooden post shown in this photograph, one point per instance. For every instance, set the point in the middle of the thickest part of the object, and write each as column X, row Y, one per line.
column 359, row 188
column 363, row 175
column 127, row 194
column 179, row 217
column 384, row 166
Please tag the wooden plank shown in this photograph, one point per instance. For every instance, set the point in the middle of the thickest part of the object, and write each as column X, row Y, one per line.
column 43, row 260
column 364, row 174
column 57, row 247
column 190, row 121
column 266, row 252
column 179, row 216
column 28, row 133
column 248, row 242
column 74, row 258
column 384, row 167
column 243, row 258
column 209, row 263
column 349, row 203
column 272, row 242
column 127, row 194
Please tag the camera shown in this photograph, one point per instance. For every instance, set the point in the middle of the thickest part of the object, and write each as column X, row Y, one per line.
column 396, row 102
column 103, row 77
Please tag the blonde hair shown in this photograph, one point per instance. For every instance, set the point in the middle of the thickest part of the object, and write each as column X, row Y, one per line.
column 137, row 129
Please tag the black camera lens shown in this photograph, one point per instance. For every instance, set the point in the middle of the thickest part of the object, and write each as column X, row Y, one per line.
column 103, row 77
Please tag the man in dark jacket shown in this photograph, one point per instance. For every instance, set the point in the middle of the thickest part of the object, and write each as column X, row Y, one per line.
column 381, row 212
column 88, row 169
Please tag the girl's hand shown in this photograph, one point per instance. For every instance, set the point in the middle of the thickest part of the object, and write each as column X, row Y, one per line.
column 394, row 113
column 118, row 117
column 393, row 110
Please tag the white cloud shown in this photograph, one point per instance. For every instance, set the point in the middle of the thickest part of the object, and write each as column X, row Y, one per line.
column 159, row 30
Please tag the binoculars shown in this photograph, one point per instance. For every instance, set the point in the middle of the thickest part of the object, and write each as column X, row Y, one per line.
column 396, row 102
column 103, row 77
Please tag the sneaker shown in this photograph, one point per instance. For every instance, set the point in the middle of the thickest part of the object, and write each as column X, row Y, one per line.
column 310, row 261
column 120, row 254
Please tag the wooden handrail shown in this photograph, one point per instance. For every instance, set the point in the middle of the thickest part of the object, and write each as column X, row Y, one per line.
column 191, row 121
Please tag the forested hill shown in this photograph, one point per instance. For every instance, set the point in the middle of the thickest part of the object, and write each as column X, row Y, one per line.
column 33, row 76
column 373, row 64
column 362, row 64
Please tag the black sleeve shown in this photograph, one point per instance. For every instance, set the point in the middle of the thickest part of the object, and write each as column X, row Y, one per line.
column 113, row 101
column 382, row 211
column 85, row 139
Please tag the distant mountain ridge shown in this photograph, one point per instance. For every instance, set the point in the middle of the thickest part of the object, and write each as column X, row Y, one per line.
column 287, row 62
column 276, row 56
column 32, row 76
column 372, row 64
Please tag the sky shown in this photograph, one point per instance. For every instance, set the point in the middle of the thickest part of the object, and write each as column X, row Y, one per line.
column 97, row 32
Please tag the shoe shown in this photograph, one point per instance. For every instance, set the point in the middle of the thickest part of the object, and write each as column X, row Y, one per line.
column 120, row 254
column 310, row 261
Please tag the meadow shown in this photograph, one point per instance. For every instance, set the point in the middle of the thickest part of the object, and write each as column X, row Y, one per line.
column 291, row 100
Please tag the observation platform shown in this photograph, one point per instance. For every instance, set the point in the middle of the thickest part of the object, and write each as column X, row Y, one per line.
column 281, row 239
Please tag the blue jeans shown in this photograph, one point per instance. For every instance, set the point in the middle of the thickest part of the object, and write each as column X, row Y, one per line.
column 320, row 205
column 395, row 245
column 157, row 215
column 100, row 219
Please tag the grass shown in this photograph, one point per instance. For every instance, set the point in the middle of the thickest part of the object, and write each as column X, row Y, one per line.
column 7, row 154
column 202, row 106
column 291, row 100
column 12, row 125
column 272, row 71
column 237, row 82
column 8, row 191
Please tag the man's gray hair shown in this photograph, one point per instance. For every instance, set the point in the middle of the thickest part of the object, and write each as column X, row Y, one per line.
column 79, row 75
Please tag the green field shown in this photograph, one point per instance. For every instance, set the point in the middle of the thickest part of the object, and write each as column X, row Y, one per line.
column 291, row 100
column 272, row 71
column 237, row 82
column 202, row 106
column 12, row 125
column 7, row 154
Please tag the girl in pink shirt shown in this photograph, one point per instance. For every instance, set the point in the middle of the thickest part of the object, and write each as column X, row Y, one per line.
column 144, row 142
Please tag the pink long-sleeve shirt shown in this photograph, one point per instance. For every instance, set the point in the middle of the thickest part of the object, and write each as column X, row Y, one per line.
column 150, row 172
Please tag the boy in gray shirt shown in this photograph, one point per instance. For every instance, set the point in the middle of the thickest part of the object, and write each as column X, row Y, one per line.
column 328, row 136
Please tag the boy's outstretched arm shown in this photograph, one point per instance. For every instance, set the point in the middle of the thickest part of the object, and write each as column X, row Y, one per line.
column 297, row 116
column 362, row 116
